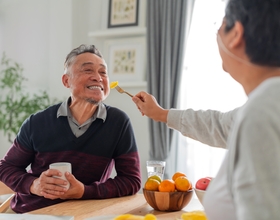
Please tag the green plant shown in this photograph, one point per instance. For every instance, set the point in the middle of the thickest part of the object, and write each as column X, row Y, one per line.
column 15, row 104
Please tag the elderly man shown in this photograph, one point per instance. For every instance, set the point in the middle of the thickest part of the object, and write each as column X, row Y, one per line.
column 92, row 136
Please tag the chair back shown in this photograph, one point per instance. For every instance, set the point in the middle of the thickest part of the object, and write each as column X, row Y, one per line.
column 6, row 204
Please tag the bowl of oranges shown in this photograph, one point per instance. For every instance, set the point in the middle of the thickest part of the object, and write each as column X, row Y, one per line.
column 168, row 194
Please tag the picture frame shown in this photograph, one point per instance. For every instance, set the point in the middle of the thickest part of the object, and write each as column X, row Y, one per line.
column 123, row 13
column 126, row 59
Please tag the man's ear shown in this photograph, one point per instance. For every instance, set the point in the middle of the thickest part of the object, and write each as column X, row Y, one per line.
column 236, row 35
column 65, row 80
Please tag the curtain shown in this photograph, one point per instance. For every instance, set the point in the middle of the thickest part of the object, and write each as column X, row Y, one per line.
column 205, row 86
column 168, row 22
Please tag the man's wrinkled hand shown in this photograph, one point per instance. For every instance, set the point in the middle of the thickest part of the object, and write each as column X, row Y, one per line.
column 48, row 186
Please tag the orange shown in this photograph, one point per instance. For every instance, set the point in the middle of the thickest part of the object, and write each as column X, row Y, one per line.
column 129, row 217
column 150, row 217
column 156, row 177
column 113, row 84
column 182, row 183
column 135, row 217
column 194, row 215
column 190, row 186
column 166, row 185
column 124, row 216
column 152, row 184
column 177, row 174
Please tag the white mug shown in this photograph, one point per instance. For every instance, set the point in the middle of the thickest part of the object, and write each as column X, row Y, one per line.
column 62, row 167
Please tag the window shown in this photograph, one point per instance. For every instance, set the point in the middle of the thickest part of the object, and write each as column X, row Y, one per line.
column 205, row 86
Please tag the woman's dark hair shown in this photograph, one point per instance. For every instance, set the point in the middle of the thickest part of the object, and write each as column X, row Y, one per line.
column 261, row 22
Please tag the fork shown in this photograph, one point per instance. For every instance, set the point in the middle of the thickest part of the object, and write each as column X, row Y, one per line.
column 120, row 90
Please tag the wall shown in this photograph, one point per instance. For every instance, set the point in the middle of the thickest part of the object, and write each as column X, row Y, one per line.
column 38, row 34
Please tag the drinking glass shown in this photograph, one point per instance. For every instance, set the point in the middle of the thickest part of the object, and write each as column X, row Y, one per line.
column 155, row 167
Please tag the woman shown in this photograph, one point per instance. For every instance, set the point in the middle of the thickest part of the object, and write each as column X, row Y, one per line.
column 246, row 186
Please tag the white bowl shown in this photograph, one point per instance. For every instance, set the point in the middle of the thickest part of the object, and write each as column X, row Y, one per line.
column 199, row 193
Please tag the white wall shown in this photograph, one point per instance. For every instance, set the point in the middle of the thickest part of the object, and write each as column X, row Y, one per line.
column 39, row 33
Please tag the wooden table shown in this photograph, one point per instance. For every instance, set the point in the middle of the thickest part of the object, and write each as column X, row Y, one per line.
column 135, row 205
column 4, row 189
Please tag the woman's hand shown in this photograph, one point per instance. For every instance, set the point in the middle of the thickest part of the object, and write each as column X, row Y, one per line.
column 147, row 105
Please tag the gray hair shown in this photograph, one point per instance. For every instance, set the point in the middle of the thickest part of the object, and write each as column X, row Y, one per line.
column 77, row 51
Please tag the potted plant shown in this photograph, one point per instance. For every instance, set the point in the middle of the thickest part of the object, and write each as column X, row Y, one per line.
column 16, row 104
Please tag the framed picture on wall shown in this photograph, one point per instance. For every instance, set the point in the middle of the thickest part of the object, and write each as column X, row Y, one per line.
column 123, row 13
column 126, row 59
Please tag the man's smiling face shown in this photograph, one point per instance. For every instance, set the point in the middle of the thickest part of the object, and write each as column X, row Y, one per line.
column 87, row 78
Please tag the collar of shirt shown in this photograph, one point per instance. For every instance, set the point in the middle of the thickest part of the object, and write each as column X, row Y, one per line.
column 64, row 110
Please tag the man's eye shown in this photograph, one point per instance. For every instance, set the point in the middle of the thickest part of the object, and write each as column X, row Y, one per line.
column 88, row 70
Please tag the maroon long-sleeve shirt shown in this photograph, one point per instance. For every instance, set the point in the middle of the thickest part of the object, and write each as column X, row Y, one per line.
column 44, row 139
